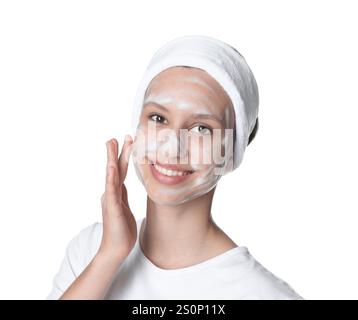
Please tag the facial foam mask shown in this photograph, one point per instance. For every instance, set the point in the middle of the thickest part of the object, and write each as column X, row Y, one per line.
column 176, row 166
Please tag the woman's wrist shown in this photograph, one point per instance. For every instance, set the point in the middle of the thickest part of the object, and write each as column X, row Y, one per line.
column 110, row 257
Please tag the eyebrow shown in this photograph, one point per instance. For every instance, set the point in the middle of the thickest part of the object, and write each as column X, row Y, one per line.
column 157, row 105
column 207, row 116
column 195, row 116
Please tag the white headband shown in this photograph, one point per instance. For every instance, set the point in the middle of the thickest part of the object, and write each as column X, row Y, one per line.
column 225, row 64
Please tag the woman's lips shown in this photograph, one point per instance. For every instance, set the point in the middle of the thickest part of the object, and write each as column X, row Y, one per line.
column 167, row 175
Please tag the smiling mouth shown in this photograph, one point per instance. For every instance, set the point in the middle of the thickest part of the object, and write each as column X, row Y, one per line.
column 171, row 172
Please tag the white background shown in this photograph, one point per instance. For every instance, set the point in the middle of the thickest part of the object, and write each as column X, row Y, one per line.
column 69, row 71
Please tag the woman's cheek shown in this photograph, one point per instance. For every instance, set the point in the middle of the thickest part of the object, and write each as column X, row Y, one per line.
column 217, row 152
column 139, row 146
column 199, row 151
column 145, row 145
column 223, row 154
column 151, row 141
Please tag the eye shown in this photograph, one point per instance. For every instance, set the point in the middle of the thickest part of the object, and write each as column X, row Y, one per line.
column 158, row 118
column 201, row 129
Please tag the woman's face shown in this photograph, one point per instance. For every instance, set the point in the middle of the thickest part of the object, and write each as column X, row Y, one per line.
column 184, row 139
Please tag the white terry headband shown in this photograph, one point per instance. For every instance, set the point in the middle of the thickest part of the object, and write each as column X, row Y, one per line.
column 225, row 64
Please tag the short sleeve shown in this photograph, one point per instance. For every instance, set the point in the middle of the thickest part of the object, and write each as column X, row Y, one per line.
column 77, row 255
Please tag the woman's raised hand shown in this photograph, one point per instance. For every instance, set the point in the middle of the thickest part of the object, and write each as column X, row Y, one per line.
column 119, row 224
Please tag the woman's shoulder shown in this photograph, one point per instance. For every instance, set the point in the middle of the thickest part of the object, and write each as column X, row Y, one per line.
column 86, row 242
column 90, row 235
column 264, row 284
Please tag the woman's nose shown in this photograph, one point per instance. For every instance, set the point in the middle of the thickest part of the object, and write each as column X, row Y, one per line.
column 174, row 145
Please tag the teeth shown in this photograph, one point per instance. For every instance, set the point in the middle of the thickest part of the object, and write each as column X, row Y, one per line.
column 169, row 172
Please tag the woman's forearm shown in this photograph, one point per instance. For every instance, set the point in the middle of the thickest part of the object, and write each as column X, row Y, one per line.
column 94, row 282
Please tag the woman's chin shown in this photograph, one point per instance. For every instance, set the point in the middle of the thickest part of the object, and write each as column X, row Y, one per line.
column 163, row 198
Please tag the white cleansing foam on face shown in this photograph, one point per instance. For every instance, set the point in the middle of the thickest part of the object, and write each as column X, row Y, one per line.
column 165, row 146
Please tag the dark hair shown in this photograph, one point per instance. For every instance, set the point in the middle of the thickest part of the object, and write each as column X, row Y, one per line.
column 254, row 131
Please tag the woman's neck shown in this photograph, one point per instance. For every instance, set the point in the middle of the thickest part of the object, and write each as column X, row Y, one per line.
column 179, row 236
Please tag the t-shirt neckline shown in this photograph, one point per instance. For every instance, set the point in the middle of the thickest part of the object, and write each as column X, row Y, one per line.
column 204, row 264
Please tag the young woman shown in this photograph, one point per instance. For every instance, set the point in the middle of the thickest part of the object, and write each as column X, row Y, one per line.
column 195, row 112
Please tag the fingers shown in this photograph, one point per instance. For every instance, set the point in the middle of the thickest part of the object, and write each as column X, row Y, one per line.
column 125, row 196
column 112, row 152
column 117, row 167
column 112, row 178
column 124, row 157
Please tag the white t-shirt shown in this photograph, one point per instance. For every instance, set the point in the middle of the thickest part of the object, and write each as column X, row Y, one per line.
column 232, row 275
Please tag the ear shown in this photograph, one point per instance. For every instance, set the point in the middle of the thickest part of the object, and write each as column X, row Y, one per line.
column 254, row 131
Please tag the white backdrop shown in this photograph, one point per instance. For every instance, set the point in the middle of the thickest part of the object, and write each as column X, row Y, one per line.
column 69, row 71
